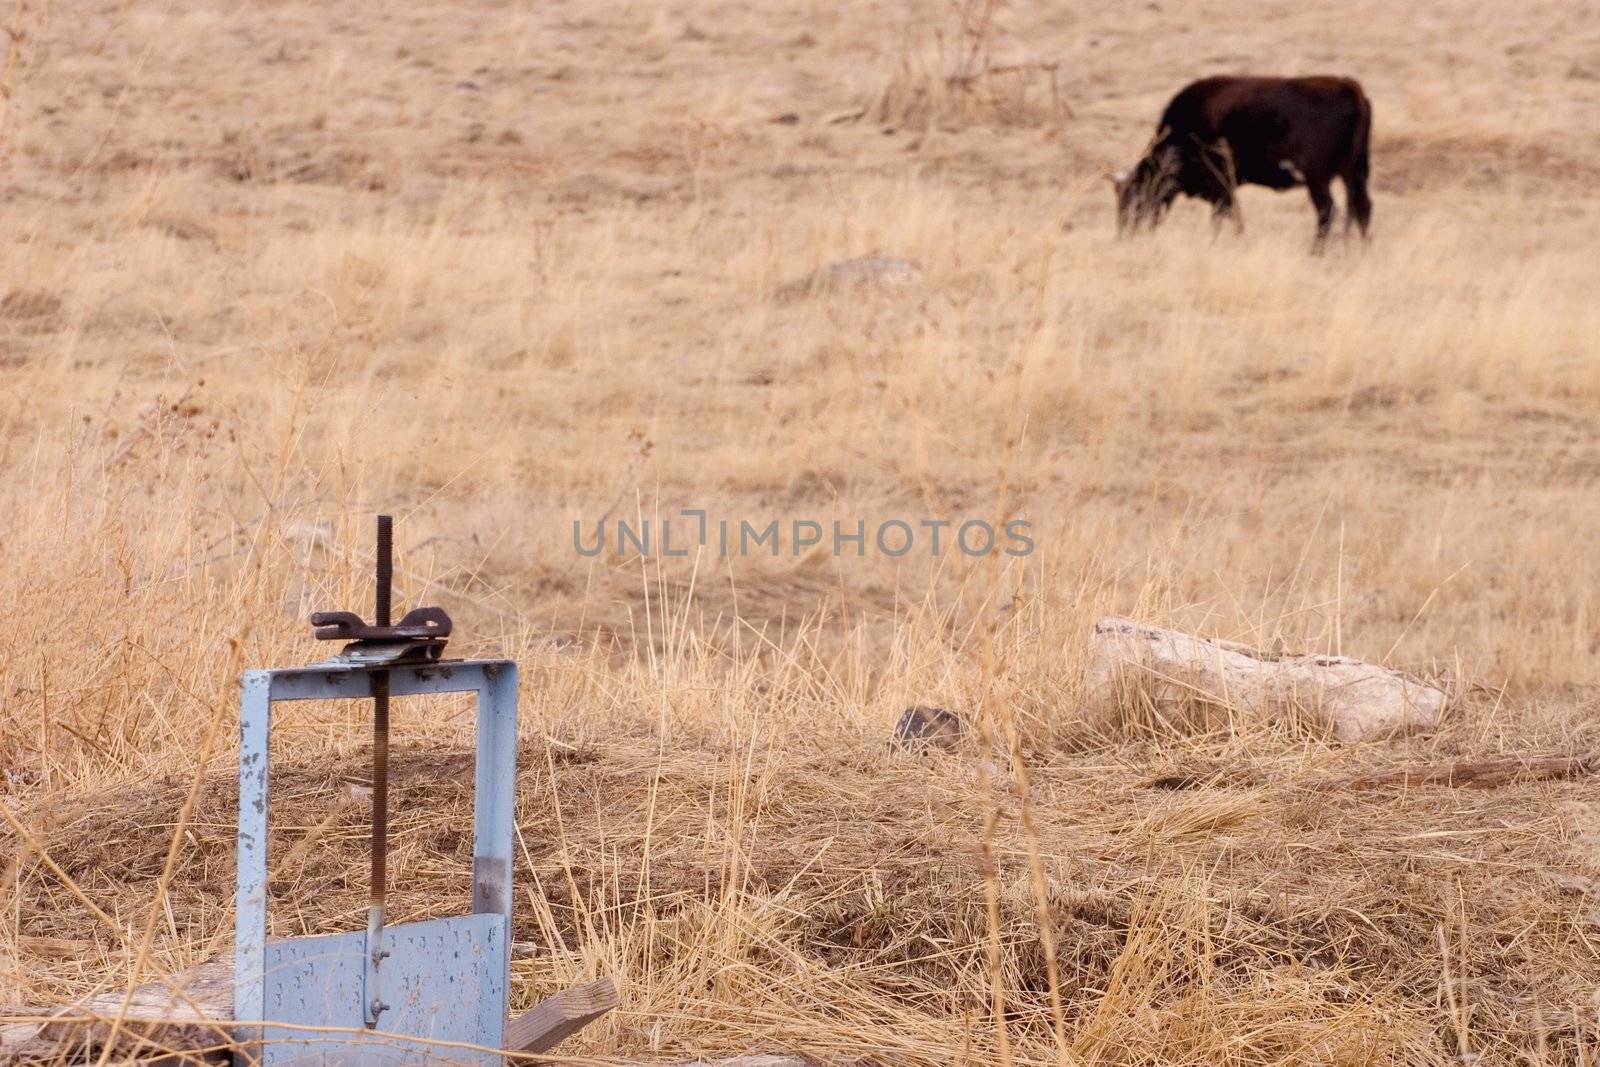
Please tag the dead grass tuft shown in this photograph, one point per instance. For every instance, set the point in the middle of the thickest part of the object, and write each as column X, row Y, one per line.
column 956, row 80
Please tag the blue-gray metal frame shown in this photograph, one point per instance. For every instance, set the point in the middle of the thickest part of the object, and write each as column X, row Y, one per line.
column 452, row 1001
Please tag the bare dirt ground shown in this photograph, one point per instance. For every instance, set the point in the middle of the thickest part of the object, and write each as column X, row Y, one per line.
column 269, row 270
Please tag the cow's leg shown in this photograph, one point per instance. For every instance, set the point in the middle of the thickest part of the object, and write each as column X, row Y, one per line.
column 1322, row 200
column 1357, row 204
column 1226, row 210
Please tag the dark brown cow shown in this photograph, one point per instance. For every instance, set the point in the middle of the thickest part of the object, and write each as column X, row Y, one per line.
column 1220, row 133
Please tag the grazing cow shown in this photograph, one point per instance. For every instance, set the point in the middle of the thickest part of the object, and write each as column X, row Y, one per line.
column 1220, row 133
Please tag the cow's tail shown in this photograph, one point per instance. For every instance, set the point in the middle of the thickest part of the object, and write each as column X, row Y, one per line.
column 1357, row 165
column 1360, row 137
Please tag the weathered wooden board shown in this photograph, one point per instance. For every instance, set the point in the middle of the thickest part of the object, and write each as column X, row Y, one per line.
column 1357, row 701
column 189, row 1014
column 189, row 1018
column 554, row 1019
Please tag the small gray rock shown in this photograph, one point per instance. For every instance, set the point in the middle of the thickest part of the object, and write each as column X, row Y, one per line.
column 921, row 728
column 881, row 271
column 886, row 270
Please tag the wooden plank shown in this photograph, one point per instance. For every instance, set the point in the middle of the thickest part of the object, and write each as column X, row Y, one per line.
column 187, row 1015
column 191, row 1014
column 553, row 1020
column 1179, row 673
column 17, row 1039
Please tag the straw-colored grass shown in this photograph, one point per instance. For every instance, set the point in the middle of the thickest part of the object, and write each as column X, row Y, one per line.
column 271, row 270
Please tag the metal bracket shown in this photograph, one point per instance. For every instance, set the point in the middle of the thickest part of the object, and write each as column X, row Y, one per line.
column 417, row 638
column 447, row 980
column 418, row 623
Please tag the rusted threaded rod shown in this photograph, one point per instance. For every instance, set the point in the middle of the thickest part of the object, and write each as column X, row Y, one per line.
column 380, row 784
column 380, row 770
column 385, row 568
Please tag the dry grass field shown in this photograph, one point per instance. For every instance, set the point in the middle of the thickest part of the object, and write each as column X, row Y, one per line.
column 269, row 269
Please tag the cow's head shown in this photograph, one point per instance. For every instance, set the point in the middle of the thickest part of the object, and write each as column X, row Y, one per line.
column 1145, row 192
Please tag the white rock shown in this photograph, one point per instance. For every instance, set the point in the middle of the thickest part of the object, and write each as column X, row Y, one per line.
column 310, row 535
column 885, row 272
column 1357, row 701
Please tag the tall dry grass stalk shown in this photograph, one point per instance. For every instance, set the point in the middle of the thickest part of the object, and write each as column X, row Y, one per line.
column 955, row 77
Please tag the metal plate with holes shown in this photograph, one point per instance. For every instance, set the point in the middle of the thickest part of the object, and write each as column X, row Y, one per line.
column 445, row 984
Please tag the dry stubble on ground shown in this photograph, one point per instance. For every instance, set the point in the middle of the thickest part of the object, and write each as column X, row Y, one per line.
column 270, row 270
